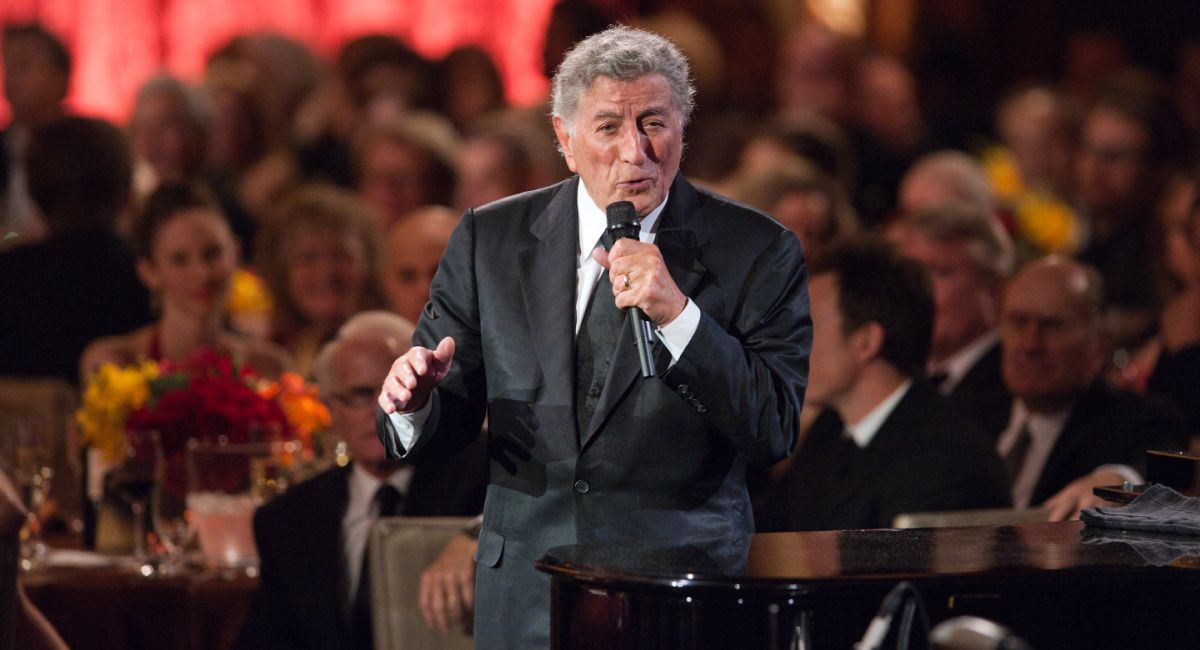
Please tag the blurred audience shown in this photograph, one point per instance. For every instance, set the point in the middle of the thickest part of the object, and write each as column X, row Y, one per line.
column 815, row 73
column 968, row 256
column 319, row 255
column 886, row 444
column 37, row 70
column 405, row 164
column 79, row 283
column 168, row 133
column 1037, row 125
column 945, row 177
column 890, row 133
column 413, row 248
column 186, row 257
column 804, row 200
column 1127, row 147
column 312, row 540
column 492, row 164
column 1069, row 431
column 470, row 86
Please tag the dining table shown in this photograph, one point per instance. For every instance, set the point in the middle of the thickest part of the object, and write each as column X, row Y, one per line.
column 104, row 602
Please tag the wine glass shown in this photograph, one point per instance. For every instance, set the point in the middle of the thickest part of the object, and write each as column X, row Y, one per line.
column 173, row 524
column 134, row 478
column 26, row 456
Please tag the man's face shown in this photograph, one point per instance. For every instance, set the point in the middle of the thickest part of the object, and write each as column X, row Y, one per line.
column 834, row 365
column 1051, row 349
column 357, row 370
column 33, row 86
column 414, row 249
column 394, row 180
column 1111, row 165
column 626, row 141
column 965, row 304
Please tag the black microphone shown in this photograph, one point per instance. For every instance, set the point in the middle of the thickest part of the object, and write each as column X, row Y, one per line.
column 623, row 223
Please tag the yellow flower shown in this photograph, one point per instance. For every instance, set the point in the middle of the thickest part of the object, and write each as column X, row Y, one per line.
column 1003, row 174
column 112, row 393
column 248, row 294
column 1047, row 223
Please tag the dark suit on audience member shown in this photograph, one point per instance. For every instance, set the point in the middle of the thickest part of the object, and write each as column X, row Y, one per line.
column 1176, row 378
column 663, row 461
column 925, row 457
column 981, row 394
column 58, row 295
column 300, row 602
column 1108, row 426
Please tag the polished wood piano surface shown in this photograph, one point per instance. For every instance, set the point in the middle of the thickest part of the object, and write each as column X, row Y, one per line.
column 1058, row 585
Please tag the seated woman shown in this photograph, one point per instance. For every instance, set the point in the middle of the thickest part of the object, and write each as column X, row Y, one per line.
column 186, row 256
column 319, row 255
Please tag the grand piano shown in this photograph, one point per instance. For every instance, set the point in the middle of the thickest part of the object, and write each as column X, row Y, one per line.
column 1056, row 585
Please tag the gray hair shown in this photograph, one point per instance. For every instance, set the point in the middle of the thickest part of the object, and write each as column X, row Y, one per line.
column 961, row 221
column 377, row 326
column 959, row 174
column 624, row 54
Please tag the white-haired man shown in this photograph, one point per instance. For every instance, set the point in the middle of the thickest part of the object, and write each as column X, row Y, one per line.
column 313, row 538
column 524, row 323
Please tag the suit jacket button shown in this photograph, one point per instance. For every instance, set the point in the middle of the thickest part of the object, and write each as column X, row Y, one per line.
column 582, row 487
column 701, row 409
column 683, row 389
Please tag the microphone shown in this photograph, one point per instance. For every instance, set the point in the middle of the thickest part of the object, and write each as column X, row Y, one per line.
column 623, row 223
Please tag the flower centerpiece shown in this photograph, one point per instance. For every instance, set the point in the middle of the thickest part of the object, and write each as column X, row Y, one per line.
column 208, row 397
column 1041, row 222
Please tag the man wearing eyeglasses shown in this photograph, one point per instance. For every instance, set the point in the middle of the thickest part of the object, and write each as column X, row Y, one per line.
column 312, row 540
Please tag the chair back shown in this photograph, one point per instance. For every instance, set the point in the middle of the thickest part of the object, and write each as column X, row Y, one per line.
column 400, row 549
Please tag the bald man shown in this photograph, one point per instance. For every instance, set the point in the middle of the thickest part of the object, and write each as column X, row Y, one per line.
column 414, row 247
column 1069, row 431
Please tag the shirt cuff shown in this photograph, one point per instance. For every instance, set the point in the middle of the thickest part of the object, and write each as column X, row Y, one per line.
column 678, row 333
column 1128, row 473
column 410, row 425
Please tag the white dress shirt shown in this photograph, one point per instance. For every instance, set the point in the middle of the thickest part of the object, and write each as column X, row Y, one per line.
column 863, row 431
column 1044, row 430
column 592, row 221
column 361, row 513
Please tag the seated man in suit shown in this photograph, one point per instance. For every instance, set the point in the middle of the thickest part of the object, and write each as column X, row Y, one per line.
column 312, row 539
column 887, row 443
column 969, row 257
column 1069, row 431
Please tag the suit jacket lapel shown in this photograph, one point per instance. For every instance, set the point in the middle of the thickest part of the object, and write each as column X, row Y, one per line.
column 680, row 237
column 547, row 272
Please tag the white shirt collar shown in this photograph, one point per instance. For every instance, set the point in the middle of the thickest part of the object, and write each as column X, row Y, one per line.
column 960, row 363
column 593, row 221
column 863, row 431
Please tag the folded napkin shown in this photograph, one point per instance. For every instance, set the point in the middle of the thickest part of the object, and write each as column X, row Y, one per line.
column 1158, row 549
column 1157, row 509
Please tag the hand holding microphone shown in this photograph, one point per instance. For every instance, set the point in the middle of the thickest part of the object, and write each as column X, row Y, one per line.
column 640, row 280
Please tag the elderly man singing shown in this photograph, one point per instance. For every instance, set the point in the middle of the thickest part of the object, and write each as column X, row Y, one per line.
column 528, row 321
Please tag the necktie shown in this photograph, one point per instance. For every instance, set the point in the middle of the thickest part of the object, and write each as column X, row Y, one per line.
column 389, row 500
column 1014, row 460
column 594, row 346
column 938, row 379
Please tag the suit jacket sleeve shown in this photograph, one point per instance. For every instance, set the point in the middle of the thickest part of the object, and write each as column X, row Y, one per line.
column 453, row 310
column 748, row 378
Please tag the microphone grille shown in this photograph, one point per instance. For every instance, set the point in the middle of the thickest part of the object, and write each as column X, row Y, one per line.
column 623, row 221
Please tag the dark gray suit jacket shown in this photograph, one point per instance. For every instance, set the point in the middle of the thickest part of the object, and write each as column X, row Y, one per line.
column 664, row 460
